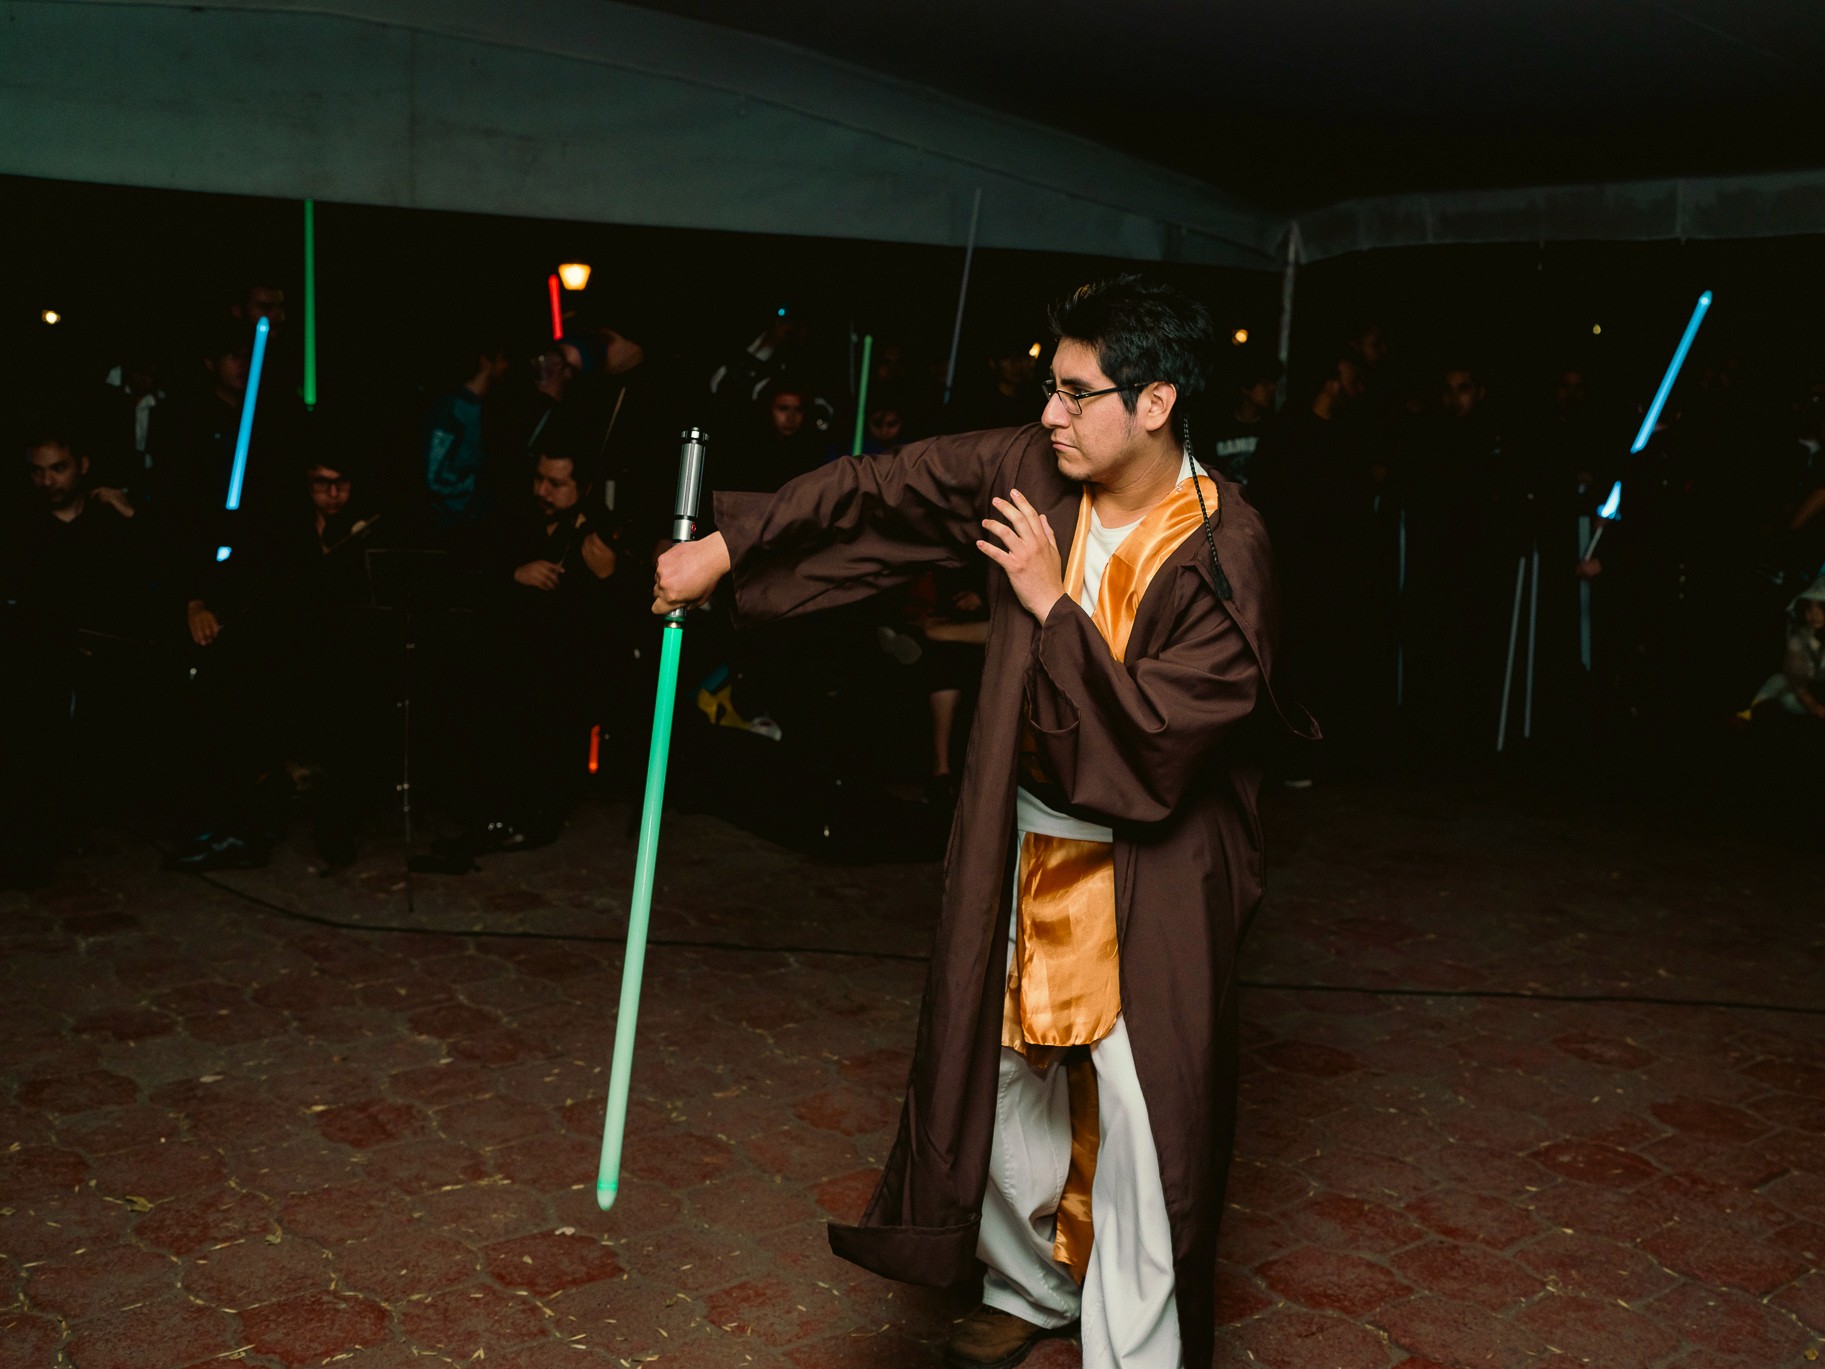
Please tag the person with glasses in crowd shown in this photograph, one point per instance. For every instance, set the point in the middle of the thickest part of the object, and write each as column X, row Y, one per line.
column 1072, row 1101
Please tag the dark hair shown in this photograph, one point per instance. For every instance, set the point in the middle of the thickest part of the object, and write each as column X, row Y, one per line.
column 226, row 337
column 51, row 432
column 1143, row 331
column 785, row 385
column 584, row 469
column 1327, row 367
column 1254, row 365
column 317, row 459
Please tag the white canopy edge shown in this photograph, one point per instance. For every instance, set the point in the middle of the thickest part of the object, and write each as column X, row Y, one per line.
column 1764, row 206
column 568, row 109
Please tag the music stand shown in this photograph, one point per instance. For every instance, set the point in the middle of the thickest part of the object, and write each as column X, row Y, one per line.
column 411, row 582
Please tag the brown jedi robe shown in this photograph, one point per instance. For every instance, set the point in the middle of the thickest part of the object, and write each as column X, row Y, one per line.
column 1140, row 746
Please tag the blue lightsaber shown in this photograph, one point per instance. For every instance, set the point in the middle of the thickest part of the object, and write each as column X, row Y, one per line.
column 1609, row 513
column 238, row 476
column 253, row 397
column 1666, row 384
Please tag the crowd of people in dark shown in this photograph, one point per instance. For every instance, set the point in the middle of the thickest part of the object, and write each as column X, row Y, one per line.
column 442, row 611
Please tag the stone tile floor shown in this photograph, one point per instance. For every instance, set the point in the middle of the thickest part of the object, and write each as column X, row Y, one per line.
column 230, row 1133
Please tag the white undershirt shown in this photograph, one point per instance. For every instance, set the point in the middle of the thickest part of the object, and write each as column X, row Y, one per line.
column 1030, row 815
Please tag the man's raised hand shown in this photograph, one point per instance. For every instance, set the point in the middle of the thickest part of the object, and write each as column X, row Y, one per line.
column 686, row 573
column 1029, row 554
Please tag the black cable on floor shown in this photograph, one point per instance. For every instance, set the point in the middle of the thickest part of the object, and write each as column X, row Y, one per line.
column 298, row 915
column 1642, row 1000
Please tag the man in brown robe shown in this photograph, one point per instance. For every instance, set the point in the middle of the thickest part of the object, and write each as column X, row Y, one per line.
column 1113, row 710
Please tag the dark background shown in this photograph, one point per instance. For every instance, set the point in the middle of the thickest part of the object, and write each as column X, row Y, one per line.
column 119, row 262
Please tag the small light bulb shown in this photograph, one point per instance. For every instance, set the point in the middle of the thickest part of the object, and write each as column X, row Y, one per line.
column 781, row 311
column 1596, row 328
column 1239, row 337
column 574, row 274
column 51, row 316
column 1034, row 351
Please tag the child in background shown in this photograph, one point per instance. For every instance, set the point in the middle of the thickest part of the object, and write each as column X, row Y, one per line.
column 1799, row 688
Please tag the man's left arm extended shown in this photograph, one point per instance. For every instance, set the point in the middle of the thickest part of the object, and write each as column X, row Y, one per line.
column 845, row 530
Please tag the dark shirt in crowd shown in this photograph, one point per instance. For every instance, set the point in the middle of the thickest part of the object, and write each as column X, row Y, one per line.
column 1472, row 506
column 1312, row 483
column 764, row 459
column 191, row 481
column 126, row 431
column 1230, row 445
column 88, row 573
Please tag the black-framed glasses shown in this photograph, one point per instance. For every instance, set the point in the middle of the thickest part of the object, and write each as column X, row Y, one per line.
column 1074, row 399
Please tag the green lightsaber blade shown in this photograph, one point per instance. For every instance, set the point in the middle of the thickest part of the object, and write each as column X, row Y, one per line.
column 646, row 854
column 310, row 304
column 861, row 398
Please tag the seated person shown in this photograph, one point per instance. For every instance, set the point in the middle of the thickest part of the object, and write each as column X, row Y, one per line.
column 1798, row 691
column 783, row 443
column 887, row 429
column 538, row 665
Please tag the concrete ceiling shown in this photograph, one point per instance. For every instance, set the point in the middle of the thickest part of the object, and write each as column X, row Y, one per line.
column 1295, row 104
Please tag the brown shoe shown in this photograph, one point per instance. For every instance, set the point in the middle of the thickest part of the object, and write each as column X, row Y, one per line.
column 992, row 1339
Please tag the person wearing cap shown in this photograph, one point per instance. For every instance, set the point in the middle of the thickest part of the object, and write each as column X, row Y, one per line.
column 1072, row 1099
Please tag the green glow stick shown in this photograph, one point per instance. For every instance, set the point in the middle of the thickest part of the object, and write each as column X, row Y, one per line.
column 310, row 304
column 861, row 399
column 639, row 913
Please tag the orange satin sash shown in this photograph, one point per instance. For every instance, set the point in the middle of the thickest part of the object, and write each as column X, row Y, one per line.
column 1064, row 978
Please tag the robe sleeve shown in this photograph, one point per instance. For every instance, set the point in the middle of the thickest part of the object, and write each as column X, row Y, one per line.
column 1127, row 743
column 861, row 524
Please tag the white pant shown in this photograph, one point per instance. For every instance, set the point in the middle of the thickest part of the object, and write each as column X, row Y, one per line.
column 1129, row 1317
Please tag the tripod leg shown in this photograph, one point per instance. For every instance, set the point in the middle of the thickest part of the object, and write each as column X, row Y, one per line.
column 405, row 756
column 1533, row 633
column 1584, row 598
column 1514, row 632
column 1400, row 627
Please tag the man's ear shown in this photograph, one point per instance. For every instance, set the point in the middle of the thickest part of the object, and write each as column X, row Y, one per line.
column 1156, row 406
column 82, row 465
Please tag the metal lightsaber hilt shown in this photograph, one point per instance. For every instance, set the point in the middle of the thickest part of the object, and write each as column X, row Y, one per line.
column 646, row 854
column 690, row 492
